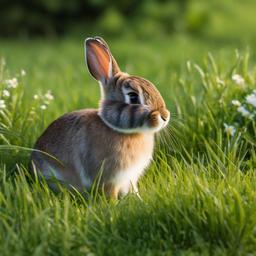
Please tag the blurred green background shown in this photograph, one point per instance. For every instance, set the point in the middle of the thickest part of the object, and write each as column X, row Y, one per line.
column 215, row 20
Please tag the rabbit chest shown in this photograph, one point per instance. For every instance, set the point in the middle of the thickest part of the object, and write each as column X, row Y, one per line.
column 122, row 158
column 133, row 156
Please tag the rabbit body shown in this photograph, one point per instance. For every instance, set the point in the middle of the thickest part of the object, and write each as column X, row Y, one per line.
column 114, row 142
column 85, row 145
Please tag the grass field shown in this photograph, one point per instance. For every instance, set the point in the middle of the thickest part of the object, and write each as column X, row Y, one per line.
column 198, row 195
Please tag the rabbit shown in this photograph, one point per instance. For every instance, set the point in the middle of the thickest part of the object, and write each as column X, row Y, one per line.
column 115, row 141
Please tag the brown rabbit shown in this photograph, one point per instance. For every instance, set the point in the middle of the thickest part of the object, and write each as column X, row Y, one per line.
column 116, row 140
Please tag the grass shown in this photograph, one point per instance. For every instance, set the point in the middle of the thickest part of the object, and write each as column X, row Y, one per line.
column 198, row 195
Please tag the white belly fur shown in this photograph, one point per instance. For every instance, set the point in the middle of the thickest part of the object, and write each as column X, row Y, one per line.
column 124, row 179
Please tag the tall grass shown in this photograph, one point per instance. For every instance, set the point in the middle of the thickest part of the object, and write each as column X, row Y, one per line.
column 185, row 208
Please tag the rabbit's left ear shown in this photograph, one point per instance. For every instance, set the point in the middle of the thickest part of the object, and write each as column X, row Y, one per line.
column 100, row 62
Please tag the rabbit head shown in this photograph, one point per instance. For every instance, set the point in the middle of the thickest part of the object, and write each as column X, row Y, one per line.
column 129, row 104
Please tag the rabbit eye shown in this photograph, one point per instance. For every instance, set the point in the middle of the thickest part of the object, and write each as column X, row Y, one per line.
column 134, row 98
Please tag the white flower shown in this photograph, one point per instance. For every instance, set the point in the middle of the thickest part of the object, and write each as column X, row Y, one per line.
column 12, row 83
column 23, row 72
column 238, row 79
column 35, row 97
column 6, row 93
column 219, row 81
column 49, row 95
column 236, row 103
column 229, row 129
column 251, row 99
column 243, row 111
column 43, row 107
column 2, row 104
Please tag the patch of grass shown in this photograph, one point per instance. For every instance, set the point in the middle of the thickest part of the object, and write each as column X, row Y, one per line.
column 185, row 209
column 198, row 195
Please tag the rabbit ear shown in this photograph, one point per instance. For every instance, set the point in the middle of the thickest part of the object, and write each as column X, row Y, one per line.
column 100, row 62
column 115, row 67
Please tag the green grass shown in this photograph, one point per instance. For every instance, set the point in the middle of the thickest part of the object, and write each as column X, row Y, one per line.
column 198, row 195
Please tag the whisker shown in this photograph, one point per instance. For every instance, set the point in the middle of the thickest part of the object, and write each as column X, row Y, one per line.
column 168, row 136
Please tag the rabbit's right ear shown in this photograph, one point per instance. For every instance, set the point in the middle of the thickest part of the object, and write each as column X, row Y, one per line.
column 99, row 60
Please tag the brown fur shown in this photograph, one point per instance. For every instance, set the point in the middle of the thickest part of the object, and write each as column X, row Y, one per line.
column 63, row 137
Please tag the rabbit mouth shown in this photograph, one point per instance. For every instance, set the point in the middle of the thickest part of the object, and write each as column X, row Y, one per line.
column 159, row 119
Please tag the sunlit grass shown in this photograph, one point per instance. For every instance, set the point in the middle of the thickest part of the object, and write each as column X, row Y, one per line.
column 184, row 208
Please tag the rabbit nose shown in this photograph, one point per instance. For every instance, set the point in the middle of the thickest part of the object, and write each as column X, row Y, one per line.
column 164, row 118
column 165, row 115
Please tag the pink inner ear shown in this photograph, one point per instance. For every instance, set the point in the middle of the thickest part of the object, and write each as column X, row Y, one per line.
column 98, row 59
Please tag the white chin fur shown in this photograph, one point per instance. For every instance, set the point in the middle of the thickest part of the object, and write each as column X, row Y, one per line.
column 141, row 129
